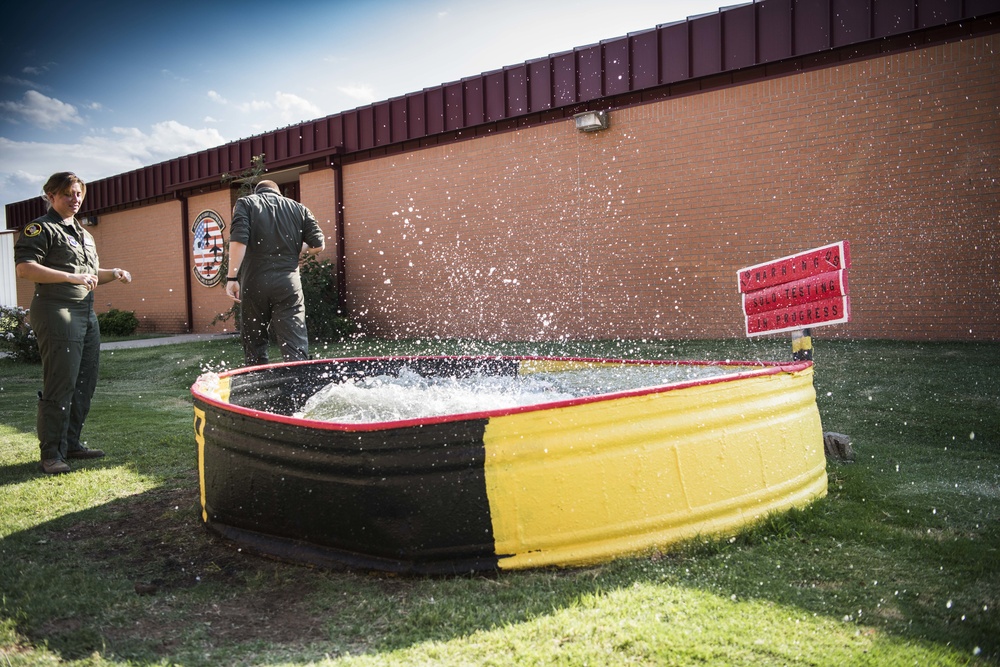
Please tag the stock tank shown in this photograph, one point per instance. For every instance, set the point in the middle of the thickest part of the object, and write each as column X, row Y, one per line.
column 572, row 478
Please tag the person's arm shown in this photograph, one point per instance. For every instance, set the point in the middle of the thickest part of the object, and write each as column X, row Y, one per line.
column 309, row 250
column 39, row 273
column 108, row 275
column 237, row 251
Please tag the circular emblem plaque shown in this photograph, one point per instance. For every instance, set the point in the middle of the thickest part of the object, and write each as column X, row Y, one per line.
column 208, row 248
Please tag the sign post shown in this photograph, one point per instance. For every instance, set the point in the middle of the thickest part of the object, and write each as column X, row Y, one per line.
column 796, row 293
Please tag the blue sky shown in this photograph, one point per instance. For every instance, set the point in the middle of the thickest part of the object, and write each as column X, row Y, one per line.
column 105, row 87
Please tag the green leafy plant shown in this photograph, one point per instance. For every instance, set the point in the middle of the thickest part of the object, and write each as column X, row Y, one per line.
column 118, row 322
column 17, row 338
column 325, row 319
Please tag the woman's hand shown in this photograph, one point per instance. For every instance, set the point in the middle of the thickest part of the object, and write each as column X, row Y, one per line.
column 89, row 280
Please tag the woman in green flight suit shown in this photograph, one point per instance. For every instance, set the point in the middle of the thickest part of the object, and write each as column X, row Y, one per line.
column 57, row 254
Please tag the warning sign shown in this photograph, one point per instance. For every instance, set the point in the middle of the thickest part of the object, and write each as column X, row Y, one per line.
column 800, row 291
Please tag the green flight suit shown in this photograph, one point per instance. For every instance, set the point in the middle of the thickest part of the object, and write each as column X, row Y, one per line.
column 69, row 338
column 273, row 229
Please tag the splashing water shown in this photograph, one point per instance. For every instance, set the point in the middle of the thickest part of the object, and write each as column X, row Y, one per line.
column 414, row 396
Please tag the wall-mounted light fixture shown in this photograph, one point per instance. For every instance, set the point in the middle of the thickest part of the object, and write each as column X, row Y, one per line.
column 88, row 220
column 591, row 121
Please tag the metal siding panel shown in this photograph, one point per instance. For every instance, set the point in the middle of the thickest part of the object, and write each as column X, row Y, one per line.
column 517, row 90
column 706, row 45
column 774, row 30
column 309, row 137
column 321, row 135
column 454, row 116
column 435, row 111
column 675, row 53
column 811, row 26
column 351, row 142
column 590, row 78
column 495, row 93
column 269, row 150
column 893, row 17
column 616, row 67
column 382, row 124
column 564, row 79
column 233, row 156
column 283, row 140
column 540, row 85
column 739, row 31
column 416, row 116
column 366, row 127
column 397, row 119
column 472, row 101
column 980, row 7
column 644, row 56
column 852, row 21
column 335, row 127
column 203, row 170
column 938, row 12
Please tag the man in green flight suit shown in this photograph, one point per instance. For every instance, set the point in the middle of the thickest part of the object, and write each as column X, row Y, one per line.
column 269, row 234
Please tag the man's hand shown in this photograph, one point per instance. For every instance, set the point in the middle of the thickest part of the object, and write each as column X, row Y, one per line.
column 233, row 290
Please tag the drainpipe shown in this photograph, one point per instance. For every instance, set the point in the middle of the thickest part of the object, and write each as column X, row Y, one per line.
column 336, row 163
column 188, row 295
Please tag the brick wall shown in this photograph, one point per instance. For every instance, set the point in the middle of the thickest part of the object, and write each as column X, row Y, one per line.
column 319, row 194
column 638, row 230
column 149, row 244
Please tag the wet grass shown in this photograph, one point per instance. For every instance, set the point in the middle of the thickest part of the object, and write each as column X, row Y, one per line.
column 898, row 565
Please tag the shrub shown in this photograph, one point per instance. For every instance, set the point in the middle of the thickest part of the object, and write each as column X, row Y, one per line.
column 17, row 338
column 118, row 322
column 325, row 319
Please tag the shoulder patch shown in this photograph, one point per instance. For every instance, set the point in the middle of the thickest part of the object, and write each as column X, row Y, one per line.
column 33, row 229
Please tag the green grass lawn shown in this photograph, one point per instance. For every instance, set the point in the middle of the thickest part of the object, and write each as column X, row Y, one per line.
column 899, row 565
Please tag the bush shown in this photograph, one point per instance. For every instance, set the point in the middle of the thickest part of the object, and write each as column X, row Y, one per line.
column 118, row 322
column 17, row 338
column 325, row 319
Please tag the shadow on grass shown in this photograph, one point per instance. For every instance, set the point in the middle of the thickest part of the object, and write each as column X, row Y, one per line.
column 141, row 579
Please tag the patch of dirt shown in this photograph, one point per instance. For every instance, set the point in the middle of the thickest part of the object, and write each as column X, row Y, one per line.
column 157, row 542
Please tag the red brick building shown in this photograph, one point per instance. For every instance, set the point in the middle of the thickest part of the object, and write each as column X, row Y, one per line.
column 477, row 209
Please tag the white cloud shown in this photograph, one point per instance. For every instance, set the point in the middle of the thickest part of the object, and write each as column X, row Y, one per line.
column 294, row 108
column 42, row 111
column 36, row 69
column 24, row 165
column 14, row 81
column 285, row 108
column 216, row 97
column 360, row 92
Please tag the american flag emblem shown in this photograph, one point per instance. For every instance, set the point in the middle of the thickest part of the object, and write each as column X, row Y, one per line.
column 208, row 248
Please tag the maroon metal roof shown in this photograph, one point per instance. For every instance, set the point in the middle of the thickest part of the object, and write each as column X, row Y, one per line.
column 613, row 72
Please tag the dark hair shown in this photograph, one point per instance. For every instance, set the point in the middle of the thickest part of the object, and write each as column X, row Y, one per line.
column 61, row 182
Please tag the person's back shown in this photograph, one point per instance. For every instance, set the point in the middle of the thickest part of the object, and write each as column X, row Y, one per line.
column 269, row 232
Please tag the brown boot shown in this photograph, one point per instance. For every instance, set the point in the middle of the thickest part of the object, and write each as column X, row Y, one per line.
column 54, row 466
column 84, row 453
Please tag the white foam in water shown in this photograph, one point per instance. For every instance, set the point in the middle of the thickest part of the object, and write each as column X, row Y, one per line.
column 413, row 396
